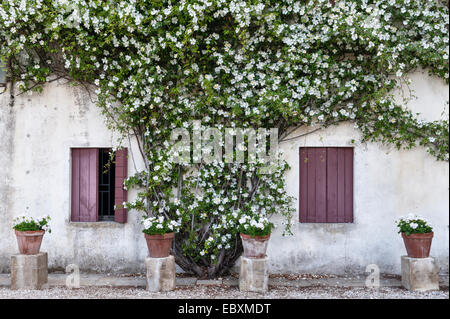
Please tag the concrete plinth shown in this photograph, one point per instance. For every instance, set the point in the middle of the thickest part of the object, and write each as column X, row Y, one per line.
column 29, row 271
column 254, row 275
column 160, row 274
column 420, row 274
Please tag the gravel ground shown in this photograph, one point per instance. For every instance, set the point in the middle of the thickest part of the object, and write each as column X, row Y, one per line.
column 209, row 292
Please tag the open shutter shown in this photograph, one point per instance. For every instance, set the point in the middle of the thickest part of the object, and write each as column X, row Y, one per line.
column 120, row 194
column 84, row 185
column 326, row 185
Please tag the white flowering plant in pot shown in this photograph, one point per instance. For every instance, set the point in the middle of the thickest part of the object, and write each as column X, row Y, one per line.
column 159, row 225
column 26, row 223
column 159, row 233
column 417, row 234
column 255, row 232
column 413, row 224
column 258, row 225
column 29, row 233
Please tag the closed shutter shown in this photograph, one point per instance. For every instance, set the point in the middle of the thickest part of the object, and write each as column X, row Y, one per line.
column 84, row 185
column 326, row 185
column 120, row 194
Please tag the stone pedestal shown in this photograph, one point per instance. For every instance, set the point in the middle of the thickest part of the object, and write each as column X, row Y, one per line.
column 254, row 275
column 420, row 274
column 160, row 274
column 29, row 271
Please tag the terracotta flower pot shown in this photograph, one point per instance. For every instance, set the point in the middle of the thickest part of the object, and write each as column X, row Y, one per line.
column 418, row 245
column 29, row 241
column 159, row 245
column 255, row 247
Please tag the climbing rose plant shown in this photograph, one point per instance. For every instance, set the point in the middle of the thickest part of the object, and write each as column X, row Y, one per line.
column 160, row 65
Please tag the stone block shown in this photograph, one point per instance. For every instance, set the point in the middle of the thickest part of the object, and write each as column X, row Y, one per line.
column 254, row 275
column 185, row 281
column 209, row 282
column 160, row 274
column 29, row 271
column 420, row 274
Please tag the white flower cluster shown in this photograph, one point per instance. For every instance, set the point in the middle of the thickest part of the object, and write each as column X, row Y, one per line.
column 259, row 221
column 412, row 219
column 160, row 223
column 41, row 222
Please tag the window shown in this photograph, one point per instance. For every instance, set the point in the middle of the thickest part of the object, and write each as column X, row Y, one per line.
column 326, row 185
column 96, row 188
column 106, row 185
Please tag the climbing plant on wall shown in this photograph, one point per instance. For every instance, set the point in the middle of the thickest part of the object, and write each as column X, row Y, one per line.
column 159, row 65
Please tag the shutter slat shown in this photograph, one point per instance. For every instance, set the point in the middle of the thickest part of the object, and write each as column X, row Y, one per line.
column 303, row 184
column 93, row 185
column 120, row 194
column 75, row 201
column 84, row 185
column 332, row 184
column 312, row 161
column 321, row 184
column 341, row 186
column 348, row 213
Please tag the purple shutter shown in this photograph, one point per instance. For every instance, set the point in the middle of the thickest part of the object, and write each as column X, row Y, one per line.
column 84, row 185
column 120, row 194
column 326, row 185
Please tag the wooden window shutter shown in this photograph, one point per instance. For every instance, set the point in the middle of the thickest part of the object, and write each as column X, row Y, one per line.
column 84, row 185
column 120, row 194
column 326, row 185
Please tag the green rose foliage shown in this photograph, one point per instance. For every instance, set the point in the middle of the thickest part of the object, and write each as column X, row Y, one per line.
column 160, row 65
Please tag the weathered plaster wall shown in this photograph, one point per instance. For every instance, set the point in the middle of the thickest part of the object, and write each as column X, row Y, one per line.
column 38, row 132
column 387, row 184
column 7, row 127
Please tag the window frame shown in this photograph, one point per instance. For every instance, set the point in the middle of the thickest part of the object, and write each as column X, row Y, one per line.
column 120, row 193
column 109, row 187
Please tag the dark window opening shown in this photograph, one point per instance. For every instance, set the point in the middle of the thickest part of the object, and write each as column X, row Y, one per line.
column 106, row 170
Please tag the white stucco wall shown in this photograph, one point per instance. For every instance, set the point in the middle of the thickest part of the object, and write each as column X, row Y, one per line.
column 387, row 184
column 38, row 132
column 38, row 164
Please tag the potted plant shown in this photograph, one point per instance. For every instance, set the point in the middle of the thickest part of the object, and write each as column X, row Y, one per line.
column 417, row 235
column 159, row 233
column 29, row 233
column 255, row 233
